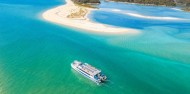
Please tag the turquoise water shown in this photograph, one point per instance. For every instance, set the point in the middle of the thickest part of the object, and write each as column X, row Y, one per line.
column 35, row 55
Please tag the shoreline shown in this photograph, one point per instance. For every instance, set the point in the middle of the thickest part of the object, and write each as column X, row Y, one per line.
column 73, row 15
column 144, row 4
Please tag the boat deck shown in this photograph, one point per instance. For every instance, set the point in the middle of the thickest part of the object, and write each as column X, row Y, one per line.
column 89, row 69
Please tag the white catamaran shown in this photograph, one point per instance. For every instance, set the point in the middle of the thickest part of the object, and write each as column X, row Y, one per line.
column 89, row 71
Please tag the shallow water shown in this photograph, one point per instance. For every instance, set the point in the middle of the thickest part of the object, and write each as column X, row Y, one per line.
column 35, row 55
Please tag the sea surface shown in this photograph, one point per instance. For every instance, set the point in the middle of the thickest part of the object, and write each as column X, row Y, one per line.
column 35, row 55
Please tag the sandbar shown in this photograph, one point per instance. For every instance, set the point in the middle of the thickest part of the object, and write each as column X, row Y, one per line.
column 74, row 15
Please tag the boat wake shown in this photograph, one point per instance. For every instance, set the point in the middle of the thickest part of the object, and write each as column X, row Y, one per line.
column 108, row 82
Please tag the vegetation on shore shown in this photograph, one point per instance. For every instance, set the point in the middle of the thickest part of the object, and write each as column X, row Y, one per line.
column 186, row 9
column 185, row 4
column 78, row 13
column 85, row 5
column 86, row 1
column 154, row 2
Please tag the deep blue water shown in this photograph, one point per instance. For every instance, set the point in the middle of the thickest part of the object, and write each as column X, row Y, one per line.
column 140, row 23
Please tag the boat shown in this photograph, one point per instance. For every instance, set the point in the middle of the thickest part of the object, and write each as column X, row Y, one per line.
column 89, row 71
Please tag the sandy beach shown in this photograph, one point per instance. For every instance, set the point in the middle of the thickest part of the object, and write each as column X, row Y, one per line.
column 75, row 16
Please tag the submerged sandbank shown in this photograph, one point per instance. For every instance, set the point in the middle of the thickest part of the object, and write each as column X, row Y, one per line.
column 75, row 16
